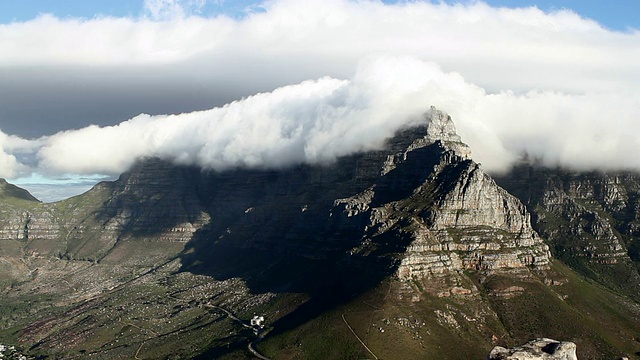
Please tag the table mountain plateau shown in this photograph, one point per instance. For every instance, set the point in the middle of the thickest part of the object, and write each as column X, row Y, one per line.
column 408, row 252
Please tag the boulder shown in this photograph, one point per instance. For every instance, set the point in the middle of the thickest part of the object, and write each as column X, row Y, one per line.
column 538, row 349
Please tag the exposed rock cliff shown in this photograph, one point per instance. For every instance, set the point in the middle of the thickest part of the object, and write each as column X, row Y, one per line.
column 589, row 218
column 423, row 190
column 16, row 207
column 456, row 216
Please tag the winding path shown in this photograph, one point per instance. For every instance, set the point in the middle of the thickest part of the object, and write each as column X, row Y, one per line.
column 250, row 347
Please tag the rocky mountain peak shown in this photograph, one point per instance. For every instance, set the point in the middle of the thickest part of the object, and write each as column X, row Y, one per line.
column 455, row 216
column 437, row 129
column 441, row 127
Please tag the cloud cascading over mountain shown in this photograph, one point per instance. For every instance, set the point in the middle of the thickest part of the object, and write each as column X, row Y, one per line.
column 333, row 77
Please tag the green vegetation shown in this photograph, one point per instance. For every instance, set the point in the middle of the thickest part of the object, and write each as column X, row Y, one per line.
column 600, row 323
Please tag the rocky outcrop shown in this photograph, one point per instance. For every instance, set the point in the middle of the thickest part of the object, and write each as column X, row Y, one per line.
column 456, row 217
column 538, row 349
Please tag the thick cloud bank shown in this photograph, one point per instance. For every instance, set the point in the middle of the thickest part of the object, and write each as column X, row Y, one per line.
column 311, row 122
column 316, row 79
column 10, row 166
column 318, row 120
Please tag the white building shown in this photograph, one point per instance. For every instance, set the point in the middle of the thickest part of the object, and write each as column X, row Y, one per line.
column 257, row 321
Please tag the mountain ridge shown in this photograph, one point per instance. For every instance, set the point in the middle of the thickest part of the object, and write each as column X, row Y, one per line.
column 412, row 244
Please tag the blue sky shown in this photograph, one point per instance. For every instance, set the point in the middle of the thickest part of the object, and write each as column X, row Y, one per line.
column 21, row 10
column 613, row 14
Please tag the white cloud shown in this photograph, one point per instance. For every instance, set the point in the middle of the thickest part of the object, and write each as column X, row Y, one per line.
column 9, row 146
column 8, row 165
column 555, row 85
column 498, row 48
column 311, row 122
column 317, row 121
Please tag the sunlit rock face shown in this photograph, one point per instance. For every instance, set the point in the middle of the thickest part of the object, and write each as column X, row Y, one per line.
column 538, row 349
column 455, row 215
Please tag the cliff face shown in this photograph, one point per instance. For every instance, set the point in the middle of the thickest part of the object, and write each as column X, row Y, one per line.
column 444, row 214
column 591, row 219
column 455, row 215
column 15, row 217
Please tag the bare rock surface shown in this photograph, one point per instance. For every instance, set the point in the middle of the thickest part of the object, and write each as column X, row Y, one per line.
column 591, row 219
column 538, row 349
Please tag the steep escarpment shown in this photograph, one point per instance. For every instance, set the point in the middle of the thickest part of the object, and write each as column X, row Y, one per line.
column 423, row 190
column 422, row 187
column 153, row 202
column 14, row 219
column 591, row 219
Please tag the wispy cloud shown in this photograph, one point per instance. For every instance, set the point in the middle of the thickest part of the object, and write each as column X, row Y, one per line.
column 172, row 9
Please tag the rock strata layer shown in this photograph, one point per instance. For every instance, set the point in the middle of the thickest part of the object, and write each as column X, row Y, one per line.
column 591, row 219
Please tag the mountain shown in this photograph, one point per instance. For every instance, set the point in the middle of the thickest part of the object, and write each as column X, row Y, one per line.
column 411, row 251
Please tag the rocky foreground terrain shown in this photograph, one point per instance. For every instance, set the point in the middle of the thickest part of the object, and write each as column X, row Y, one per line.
column 408, row 252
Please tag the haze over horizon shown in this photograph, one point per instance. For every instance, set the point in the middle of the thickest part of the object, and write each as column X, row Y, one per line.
column 307, row 82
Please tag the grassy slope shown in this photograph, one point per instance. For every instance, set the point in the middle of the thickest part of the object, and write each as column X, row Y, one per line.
column 392, row 328
column 602, row 324
column 395, row 320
